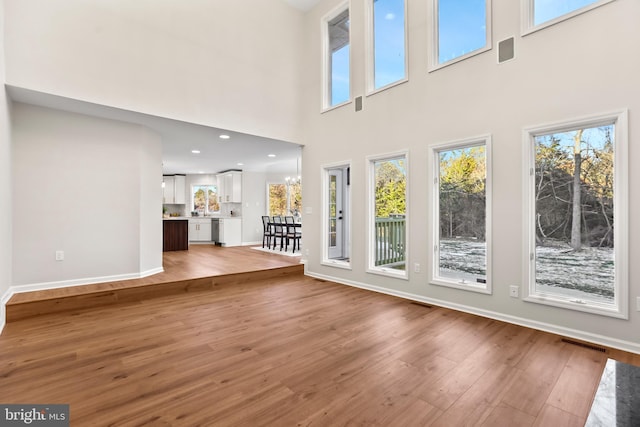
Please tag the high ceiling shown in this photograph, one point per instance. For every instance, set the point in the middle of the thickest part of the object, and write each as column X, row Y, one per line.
column 179, row 139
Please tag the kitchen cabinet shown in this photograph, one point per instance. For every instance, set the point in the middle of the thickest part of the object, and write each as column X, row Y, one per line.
column 174, row 189
column 200, row 230
column 230, row 232
column 168, row 189
column 175, row 235
column 230, row 187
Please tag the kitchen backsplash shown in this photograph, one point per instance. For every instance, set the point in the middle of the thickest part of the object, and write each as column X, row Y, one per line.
column 226, row 209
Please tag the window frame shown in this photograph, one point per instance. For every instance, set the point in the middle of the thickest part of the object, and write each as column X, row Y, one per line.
column 434, row 62
column 324, row 171
column 527, row 8
column 206, row 206
column 371, row 203
column 620, row 308
column 370, row 51
column 434, row 151
column 326, row 58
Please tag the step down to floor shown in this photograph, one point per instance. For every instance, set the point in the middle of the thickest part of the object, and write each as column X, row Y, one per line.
column 37, row 303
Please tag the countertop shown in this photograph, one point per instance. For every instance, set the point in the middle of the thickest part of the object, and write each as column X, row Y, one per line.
column 185, row 218
column 617, row 401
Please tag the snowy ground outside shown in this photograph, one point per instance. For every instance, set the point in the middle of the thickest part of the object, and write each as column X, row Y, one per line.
column 588, row 274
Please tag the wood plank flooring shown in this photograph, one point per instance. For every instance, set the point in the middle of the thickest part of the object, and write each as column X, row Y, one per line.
column 201, row 268
column 295, row 351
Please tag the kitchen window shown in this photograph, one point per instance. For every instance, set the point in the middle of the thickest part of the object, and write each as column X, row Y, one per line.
column 205, row 199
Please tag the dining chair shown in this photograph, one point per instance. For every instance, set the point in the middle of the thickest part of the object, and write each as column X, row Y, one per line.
column 267, row 231
column 279, row 231
column 294, row 232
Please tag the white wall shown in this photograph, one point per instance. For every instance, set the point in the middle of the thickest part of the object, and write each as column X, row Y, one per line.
column 254, row 202
column 583, row 66
column 89, row 187
column 150, row 195
column 228, row 64
column 5, row 179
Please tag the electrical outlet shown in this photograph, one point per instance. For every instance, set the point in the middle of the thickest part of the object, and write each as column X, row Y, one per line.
column 306, row 252
column 513, row 291
column 416, row 267
column 59, row 255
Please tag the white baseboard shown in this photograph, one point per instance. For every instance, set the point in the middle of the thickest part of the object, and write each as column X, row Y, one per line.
column 65, row 284
column 628, row 346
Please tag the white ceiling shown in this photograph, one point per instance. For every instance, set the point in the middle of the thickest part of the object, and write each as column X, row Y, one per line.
column 180, row 138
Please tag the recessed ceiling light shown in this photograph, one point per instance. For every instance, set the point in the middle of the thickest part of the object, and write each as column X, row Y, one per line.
column 240, row 164
column 224, row 136
column 271, row 155
column 200, row 171
column 195, row 151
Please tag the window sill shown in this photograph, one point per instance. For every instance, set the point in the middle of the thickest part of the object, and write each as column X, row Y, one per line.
column 389, row 86
column 435, row 66
column 336, row 263
column 334, row 107
column 389, row 272
column 572, row 304
column 481, row 288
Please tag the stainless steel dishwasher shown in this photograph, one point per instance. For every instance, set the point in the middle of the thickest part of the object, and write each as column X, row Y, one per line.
column 215, row 230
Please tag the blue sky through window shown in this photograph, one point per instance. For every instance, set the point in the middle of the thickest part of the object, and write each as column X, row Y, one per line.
column 462, row 28
column 389, row 42
column 546, row 10
column 340, row 75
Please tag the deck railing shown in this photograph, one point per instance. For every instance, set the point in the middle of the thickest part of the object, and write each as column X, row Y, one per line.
column 390, row 241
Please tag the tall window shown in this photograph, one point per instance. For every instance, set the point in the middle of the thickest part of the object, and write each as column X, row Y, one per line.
column 388, row 215
column 542, row 13
column 388, row 34
column 337, row 57
column 462, row 215
column 578, row 215
column 462, row 29
column 285, row 199
column 205, row 199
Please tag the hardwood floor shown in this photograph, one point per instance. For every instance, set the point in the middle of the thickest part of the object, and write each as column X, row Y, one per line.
column 202, row 267
column 295, row 351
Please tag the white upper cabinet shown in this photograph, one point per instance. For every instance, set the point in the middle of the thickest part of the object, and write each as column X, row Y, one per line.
column 174, row 189
column 230, row 187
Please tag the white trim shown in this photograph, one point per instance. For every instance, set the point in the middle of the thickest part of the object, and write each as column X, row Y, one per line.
column 482, row 140
column 326, row 72
column 620, row 308
column 528, row 10
column 18, row 289
column 628, row 346
column 370, row 51
column 370, row 267
column 3, row 308
column 324, row 244
column 434, row 61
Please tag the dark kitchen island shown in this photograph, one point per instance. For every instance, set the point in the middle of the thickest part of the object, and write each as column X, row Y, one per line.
column 175, row 234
